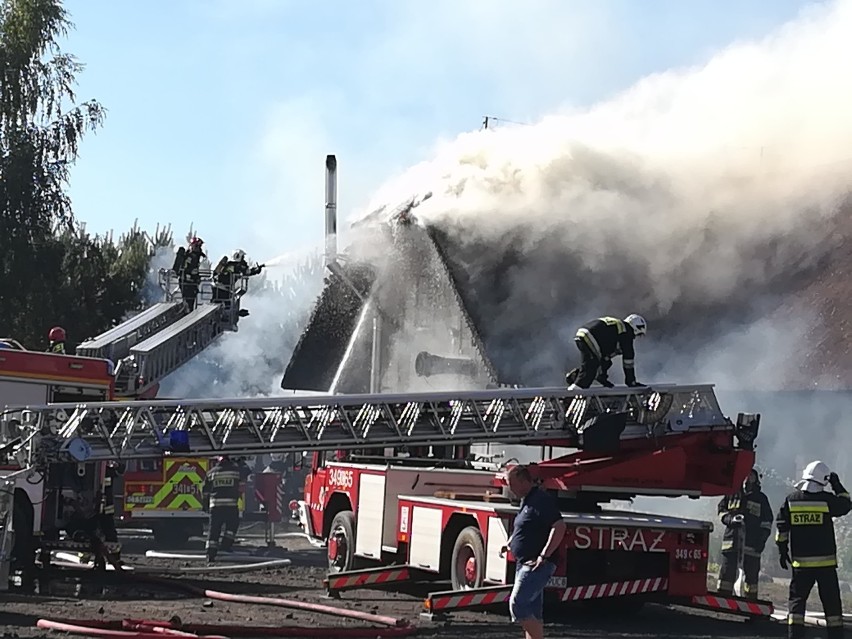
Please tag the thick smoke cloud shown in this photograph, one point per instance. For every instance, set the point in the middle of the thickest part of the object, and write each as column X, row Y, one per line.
column 699, row 197
column 713, row 200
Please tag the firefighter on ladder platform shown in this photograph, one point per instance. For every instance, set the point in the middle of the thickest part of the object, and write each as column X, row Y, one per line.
column 222, row 486
column 56, row 340
column 805, row 537
column 189, row 272
column 747, row 517
column 598, row 342
column 228, row 272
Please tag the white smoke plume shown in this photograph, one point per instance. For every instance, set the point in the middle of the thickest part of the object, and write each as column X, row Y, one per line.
column 698, row 197
column 713, row 200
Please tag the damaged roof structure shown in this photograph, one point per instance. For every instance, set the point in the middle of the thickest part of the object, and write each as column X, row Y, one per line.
column 393, row 319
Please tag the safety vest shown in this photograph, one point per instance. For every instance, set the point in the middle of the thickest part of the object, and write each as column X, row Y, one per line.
column 805, row 522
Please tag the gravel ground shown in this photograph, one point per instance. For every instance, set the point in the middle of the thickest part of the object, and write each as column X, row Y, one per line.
column 119, row 597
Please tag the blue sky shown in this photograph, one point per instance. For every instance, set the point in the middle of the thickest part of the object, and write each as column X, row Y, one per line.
column 221, row 112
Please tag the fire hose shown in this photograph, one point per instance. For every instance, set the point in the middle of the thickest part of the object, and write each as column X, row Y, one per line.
column 279, row 602
column 150, row 629
column 134, row 629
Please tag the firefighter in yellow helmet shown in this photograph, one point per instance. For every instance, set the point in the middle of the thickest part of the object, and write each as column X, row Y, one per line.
column 804, row 532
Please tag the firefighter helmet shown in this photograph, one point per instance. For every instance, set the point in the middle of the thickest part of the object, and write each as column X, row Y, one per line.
column 239, row 254
column 637, row 323
column 196, row 241
column 817, row 471
column 56, row 334
column 814, row 477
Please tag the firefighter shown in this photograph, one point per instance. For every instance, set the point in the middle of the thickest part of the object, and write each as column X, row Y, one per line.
column 598, row 342
column 228, row 271
column 56, row 340
column 747, row 517
column 189, row 275
column 222, row 486
column 805, row 537
column 106, row 517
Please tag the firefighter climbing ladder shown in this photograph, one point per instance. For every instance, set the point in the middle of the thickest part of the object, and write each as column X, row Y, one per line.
column 138, row 429
column 162, row 338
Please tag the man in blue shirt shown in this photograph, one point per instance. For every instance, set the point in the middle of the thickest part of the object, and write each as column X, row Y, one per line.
column 536, row 534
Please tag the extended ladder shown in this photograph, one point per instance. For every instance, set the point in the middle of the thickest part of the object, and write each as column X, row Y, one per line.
column 115, row 344
column 157, row 341
column 555, row 416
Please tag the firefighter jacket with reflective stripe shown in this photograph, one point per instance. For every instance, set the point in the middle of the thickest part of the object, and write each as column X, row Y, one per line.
column 805, row 522
column 609, row 337
column 757, row 520
column 232, row 270
column 56, row 347
column 223, row 485
column 107, row 498
column 190, row 271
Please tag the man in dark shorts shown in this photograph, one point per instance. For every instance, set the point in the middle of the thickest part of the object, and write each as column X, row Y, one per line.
column 536, row 534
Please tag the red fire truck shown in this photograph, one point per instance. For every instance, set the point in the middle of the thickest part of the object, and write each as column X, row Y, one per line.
column 391, row 484
column 390, row 515
column 30, row 377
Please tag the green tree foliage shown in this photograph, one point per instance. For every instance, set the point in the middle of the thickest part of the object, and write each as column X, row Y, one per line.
column 51, row 270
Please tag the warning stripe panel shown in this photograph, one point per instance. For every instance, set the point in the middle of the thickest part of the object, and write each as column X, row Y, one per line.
column 760, row 608
column 615, row 589
column 467, row 600
column 344, row 581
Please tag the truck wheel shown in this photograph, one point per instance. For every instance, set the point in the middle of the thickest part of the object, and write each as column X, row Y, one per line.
column 341, row 542
column 467, row 566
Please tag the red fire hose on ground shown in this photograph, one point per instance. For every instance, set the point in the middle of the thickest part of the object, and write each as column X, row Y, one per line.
column 146, row 629
column 281, row 603
column 149, row 629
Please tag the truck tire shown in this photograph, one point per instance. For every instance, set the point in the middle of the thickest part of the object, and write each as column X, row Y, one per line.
column 341, row 542
column 467, row 563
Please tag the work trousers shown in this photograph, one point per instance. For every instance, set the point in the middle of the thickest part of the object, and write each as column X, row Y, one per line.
column 728, row 573
column 829, row 594
column 189, row 293
column 227, row 516
column 591, row 368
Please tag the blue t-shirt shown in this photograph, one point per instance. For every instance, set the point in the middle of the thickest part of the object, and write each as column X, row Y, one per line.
column 539, row 511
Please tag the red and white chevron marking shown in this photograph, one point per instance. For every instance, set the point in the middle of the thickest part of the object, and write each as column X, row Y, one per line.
column 734, row 605
column 447, row 602
column 344, row 581
column 615, row 589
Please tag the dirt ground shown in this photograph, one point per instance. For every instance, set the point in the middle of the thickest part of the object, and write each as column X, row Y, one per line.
column 122, row 596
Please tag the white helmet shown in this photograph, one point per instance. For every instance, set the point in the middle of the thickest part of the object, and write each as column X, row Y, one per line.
column 817, row 471
column 239, row 254
column 814, row 477
column 637, row 322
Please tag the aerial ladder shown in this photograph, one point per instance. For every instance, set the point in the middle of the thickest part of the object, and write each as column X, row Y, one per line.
column 159, row 340
column 687, row 444
column 666, row 439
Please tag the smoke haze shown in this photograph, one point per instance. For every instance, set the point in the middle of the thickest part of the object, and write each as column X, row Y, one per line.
column 713, row 200
column 698, row 197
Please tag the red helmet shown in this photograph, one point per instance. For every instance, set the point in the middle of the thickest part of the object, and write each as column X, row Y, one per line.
column 56, row 334
column 196, row 241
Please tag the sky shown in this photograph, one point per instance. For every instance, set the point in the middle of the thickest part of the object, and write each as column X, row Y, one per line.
column 221, row 112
